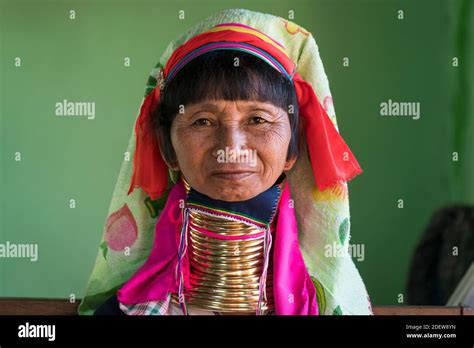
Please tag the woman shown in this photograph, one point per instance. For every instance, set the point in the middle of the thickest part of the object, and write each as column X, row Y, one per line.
column 226, row 118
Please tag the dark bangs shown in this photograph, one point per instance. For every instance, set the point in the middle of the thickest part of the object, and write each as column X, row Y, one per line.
column 225, row 75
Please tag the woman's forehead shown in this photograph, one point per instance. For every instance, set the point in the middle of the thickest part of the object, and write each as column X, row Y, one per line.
column 241, row 105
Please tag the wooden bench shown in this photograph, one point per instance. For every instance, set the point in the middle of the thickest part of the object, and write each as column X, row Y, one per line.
column 50, row 306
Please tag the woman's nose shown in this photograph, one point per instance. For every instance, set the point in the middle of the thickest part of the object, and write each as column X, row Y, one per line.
column 230, row 137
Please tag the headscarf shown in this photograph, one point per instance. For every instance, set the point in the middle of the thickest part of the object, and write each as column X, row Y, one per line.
column 318, row 180
column 332, row 161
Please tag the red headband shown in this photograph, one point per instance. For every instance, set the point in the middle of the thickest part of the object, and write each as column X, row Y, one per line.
column 331, row 159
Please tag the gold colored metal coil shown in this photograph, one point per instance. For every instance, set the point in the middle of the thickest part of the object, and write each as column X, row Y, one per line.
column 225, row 274
column 223, row 308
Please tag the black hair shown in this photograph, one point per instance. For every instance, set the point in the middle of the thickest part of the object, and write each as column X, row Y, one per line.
column 214, row 76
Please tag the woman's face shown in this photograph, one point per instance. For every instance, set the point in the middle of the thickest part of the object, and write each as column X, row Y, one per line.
column 231, row 150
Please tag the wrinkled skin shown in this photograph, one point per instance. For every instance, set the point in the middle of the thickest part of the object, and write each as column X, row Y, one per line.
column 206, row 131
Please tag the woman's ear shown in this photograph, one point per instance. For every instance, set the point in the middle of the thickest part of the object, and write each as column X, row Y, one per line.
column 173, row 165
column 290, row 163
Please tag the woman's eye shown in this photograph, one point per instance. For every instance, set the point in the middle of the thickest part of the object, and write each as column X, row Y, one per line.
column 257, row 120
column 202, row 122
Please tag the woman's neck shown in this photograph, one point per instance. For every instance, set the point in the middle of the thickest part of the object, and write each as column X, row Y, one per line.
column 261, row 207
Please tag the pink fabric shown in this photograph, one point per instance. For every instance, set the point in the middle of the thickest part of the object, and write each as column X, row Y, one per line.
column 294, row 292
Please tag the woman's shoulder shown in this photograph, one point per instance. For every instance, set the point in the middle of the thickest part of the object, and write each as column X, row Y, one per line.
column 110, row 307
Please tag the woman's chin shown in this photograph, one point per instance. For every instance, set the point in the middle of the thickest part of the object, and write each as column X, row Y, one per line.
column 232, row 188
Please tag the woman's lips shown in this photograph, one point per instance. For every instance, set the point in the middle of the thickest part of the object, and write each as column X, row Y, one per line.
column 232, row 175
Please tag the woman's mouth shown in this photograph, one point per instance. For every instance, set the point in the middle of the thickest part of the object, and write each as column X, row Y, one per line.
column 232, row 175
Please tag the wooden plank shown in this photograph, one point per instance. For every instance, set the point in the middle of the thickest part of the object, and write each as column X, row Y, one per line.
column 467, row 311
column 416, row 310
column 56, row 306
column 37, row 306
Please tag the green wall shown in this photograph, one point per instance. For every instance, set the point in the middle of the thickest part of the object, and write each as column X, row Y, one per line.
column 82, row 60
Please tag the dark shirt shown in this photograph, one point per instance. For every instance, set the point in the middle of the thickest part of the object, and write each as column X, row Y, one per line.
column 109, row 307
